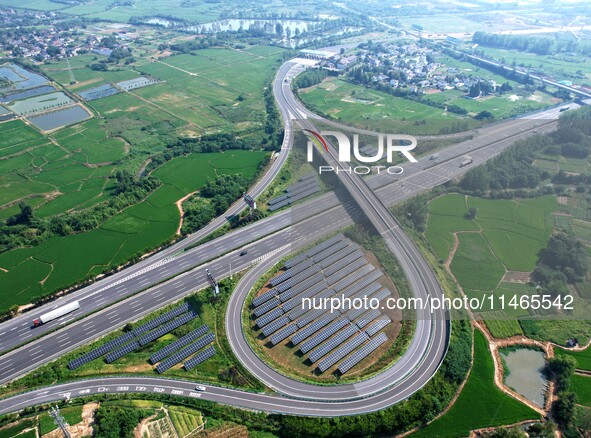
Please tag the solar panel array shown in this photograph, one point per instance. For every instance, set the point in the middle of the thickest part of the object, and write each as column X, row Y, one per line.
column 161, row 319
column 362, row 353
column 342, row 351
column 367, row 318
column 100, row 351
column 268, row 317
column 265, row 307
column 377, row 326
column 336, row 266
column 178, row 344
column 332, row 343
column 185, row 352
column 364, row 276
column 305, row 187
column 127, row 348
column 323, row 335
column 168, row 327
column 199, row 358
column 257, row 301
column 283, row 333
column 280, row 322
column 306, row 332
column 126, row 337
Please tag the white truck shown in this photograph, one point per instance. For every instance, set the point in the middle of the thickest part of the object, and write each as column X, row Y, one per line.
column 56, row 313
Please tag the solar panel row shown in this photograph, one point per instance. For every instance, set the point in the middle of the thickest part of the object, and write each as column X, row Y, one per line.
column 346, row 271
column 331, row 250
column 323, row 335
column 336, row 256
column 265, row 307
column 100, row 351
column 384, row 293
column 184, row 307
column 367, row 318
column 302, row 187
column 306, row 332
column 362, row 353
column 282, row 334
column 327, row 243
column 185, row 352
column 377, row 326
column 368, row 271
column 340, row 264
column 285, row 285
column 279, row 205
column 165, row 328
column 302, row 286
column 317, row 313
column 367, row 291
column 302, row 195
column 280, row 322
column 199, row 358
column 257, row 301
column 179, row 343
column 332, row 343
column 269, row 316
column 295, row 260
column 342, row 351
column 308, row 293
column 291, row 272
column 127, row 348
column 300, row 307
column 304, row 274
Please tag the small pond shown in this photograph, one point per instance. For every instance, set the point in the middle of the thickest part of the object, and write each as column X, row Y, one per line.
column 525, row 373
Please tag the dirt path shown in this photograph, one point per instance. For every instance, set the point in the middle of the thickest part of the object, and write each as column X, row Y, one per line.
column 179, row 205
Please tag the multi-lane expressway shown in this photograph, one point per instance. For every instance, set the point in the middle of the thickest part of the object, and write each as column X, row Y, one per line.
column 323, row 215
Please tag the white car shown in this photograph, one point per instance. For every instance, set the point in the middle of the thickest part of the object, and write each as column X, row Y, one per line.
column 200, row 388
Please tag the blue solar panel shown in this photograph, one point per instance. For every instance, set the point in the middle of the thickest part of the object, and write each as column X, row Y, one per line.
column 377, row 326
column 185, row 352
column 306, row 332
column 280, row 322
column 127, row 348
column 285, row 332
column 268, row 317
column 168, row 327
column 257, row 301
column 361, row 276
column 362, row 353
column 367, row 318
column 179, row 343
column 161, row 319
column 200, row 357
column 341, row 352
column 265, row 307
column 333, row 343
column 323, row 335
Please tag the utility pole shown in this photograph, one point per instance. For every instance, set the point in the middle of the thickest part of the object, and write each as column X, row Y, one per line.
column 59, row 420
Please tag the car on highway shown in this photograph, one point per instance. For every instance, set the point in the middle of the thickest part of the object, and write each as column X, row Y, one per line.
column 243, row 253
column 200, row 388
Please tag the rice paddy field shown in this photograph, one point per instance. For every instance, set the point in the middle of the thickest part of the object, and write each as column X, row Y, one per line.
column 60, row 261
column 481, row 403
column 71, row 169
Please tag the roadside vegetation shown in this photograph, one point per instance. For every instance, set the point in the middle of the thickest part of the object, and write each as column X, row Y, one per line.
column 223, row 368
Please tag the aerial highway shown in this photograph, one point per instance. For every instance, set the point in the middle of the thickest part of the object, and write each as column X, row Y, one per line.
column 220, row 255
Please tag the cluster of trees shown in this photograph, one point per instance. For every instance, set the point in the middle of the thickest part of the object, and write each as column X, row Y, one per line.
column 540, row 45
column 511, row 170
column 117, row 421
column 311, row 77
column 564, row 260
column 214, row 198
column 199, row 43
column 560, row 369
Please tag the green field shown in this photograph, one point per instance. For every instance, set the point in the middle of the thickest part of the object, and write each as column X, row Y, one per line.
column 59, row 261
column 373, row 109
column 560, row 67
column 582, row 357
column 506, row 234
column 581, row 385
column 185, row 420
column 480, row 404
column 503, row 328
